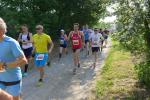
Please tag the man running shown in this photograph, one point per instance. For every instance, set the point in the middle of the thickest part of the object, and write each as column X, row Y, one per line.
column 11, row 58
column 25, row 38
column 41, row 41
column 95, row 44
column 105, row 35
column 63, row 43
column 86, row 37
column 102, row 39
column 77, row 38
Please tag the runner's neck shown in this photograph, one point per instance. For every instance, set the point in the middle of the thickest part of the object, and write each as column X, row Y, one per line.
column 2, row 38
column 40, row 33
column 24, row 32
column 76, row 31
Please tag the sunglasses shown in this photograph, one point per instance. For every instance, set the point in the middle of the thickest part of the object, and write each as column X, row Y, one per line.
column 38, row 28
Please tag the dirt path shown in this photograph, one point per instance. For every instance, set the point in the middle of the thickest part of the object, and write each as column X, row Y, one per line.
column 60, row 83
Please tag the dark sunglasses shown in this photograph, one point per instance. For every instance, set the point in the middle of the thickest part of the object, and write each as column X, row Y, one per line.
column 38, row 28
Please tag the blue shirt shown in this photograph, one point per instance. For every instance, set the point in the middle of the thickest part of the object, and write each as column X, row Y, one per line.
column 9, row 51
column 62, row 40
column 86, row 34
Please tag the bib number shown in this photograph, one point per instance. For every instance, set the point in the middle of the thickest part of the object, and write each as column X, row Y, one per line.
column 40, row 57
column 61, row 41
column 75, row 42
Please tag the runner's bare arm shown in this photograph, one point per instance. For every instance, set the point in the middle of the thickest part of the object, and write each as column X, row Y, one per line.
column 83, row 39
column 51, row 46
column 31, row 38
column 66, row 38
column 19, row 61
column 19, row 38
column 34, row 49
column 5, row 96
column 69, row 35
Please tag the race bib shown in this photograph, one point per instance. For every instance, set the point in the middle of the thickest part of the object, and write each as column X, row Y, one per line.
column 75, row 42
column 95, row 41
column 40, row 57
column 61, row 41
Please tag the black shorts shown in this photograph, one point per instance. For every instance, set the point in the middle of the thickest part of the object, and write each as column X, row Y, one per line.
column 95, row 49
column 74, row 50
column 28, row 52
column 63, row 46
column 102, row 42
column 86, row 41
column 106, row 37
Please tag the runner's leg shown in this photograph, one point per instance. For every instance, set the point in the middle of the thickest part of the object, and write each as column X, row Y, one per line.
column 75, row 61
column 88, row 48
column 16, row 98
column 41, row 70
column 78, row 57
column 60, row 52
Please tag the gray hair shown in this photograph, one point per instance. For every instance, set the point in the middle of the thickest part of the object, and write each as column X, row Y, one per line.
column 3, row 25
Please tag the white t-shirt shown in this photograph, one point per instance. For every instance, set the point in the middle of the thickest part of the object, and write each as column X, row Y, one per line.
column 96, row 39
column 24, row 38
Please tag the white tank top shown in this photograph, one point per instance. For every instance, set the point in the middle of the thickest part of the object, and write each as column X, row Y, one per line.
column 24, row 38
column 96, row 41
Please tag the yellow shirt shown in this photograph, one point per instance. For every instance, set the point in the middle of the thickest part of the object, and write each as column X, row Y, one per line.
column 41, row 42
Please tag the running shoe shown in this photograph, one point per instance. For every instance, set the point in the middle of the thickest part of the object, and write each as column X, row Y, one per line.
column 74, row 71
column 40, row 83
column 78, row 65
column 25, row 74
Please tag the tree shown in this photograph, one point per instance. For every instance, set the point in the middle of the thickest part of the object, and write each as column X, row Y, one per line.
column 53, row 14
column 134, row 32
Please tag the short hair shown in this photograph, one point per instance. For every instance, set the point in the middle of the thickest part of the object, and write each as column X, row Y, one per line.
column 3, row 25
column 76, row 24
column 95, row 28
column 24, row 25
column 39, row 26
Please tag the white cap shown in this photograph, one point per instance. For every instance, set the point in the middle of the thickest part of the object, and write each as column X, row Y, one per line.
column 62, row 30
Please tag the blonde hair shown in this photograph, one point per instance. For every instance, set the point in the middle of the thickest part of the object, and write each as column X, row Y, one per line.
column 3, row 25
column 39, row 26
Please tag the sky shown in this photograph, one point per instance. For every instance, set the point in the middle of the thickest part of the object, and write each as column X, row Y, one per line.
column 109, row 18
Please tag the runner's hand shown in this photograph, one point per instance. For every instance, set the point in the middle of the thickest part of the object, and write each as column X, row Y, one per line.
column 1, row 66
column 49, row 51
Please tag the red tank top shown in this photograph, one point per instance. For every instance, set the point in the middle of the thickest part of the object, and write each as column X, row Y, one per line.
column 76, row 40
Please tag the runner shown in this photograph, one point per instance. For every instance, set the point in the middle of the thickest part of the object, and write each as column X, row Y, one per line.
column 102, row 39
column 77, row 38
column 95, row 44
column 25, row 38
column 105, row 35
column 11, row 58
column 41, row 42
column 86, row 36
column 63, row 43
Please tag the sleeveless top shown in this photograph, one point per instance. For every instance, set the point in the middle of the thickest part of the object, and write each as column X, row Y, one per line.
column 76, row 40
column 24, row 37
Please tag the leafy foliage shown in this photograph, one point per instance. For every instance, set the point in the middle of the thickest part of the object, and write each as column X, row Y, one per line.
column 133, row 27
column 53, row 14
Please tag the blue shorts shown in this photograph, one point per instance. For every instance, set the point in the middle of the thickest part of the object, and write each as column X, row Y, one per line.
column 40, row 62
column 14, row 90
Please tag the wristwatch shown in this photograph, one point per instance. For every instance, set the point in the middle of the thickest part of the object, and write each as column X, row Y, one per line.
column 5, row 65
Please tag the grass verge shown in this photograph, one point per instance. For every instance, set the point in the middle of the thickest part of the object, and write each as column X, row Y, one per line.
column 118, row 79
